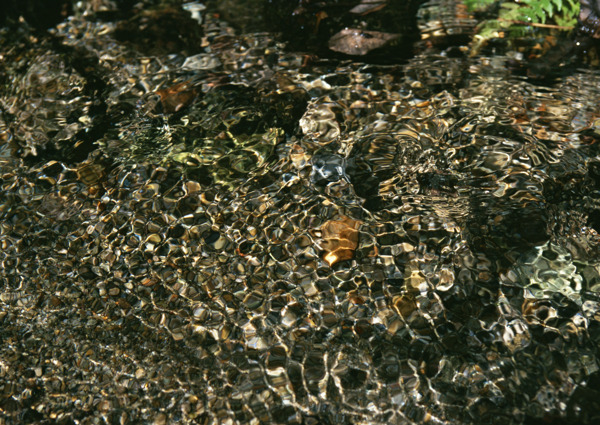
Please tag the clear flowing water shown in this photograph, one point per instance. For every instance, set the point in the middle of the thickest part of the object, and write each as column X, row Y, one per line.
column 246, row 234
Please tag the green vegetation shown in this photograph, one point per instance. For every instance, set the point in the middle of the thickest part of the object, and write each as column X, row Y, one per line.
column 522, row 17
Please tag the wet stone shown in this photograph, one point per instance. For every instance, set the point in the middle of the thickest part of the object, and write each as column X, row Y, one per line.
column 340, row 239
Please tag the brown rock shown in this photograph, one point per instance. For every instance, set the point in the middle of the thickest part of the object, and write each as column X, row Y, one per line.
column 340, row 239
column 356, row 42
column 176, row 97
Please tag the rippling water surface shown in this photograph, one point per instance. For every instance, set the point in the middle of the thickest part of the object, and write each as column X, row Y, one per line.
column 251, row 235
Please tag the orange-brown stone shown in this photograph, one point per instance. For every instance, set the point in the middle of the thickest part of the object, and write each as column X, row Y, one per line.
column 340, row 239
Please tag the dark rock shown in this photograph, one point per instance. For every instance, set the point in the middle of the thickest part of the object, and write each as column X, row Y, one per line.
column 161, row 31
column 358, row 42
column 589, row 18
column 40, row 14
column 334, row 27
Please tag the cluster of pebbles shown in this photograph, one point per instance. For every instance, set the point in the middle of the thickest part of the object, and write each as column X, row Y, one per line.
column 242, row 236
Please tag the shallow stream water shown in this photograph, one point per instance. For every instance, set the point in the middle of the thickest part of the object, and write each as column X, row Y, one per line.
column 247, row 234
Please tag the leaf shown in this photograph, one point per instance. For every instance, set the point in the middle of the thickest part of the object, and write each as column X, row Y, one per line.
column 511, row 6
column 478, row 5
column 519, row 17
column 559, row 4
column 548, row 7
